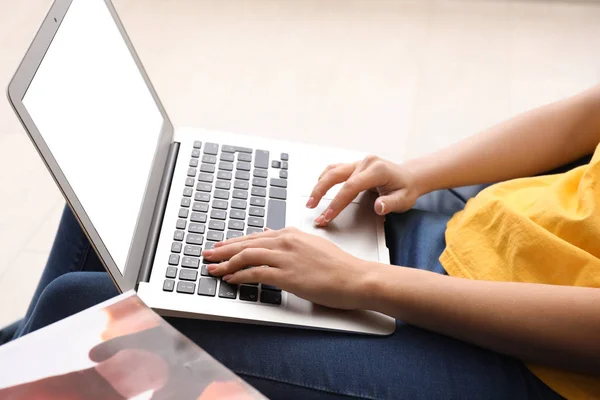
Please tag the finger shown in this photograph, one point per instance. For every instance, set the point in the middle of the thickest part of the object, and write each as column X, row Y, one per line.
column 334, row 176
column 353, row 186
column 266, row 275
column 329, row 168
column 254, row 236
column 226, row 251
column 246, row 258
column 394, row 202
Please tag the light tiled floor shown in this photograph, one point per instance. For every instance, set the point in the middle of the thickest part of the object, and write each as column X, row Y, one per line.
column 398, row 78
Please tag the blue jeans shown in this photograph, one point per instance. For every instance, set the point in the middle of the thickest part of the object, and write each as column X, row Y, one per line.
column 302, row 364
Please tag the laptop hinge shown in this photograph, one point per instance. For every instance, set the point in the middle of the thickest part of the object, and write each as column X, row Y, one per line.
column 159, row 213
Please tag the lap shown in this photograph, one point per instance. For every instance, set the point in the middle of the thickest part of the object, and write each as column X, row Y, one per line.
column 293, row 363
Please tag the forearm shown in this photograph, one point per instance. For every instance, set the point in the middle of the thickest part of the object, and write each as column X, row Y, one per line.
column 528, row 144
column 551, row 325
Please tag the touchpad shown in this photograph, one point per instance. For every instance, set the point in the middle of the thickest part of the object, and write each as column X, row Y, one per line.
column 354, row 230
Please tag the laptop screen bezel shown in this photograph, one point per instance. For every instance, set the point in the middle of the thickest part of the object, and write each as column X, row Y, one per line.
column 16, row 91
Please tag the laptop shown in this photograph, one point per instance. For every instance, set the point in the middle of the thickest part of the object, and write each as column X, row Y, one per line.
column 151, row 198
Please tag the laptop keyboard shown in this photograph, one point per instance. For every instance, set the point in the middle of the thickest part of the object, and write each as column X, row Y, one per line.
column 227, row 194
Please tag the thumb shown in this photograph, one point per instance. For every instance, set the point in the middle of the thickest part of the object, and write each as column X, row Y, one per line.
column 393, row 202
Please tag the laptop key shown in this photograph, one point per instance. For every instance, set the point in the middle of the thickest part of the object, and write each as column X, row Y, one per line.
column 224, row 175
column 197, row 144
column 270, row 287
column 241, row 184
column 284, row 165
column 209, row 159
column 191, row 172
column 220, row 204
column 193, row 162
column 207, row 287
column 243, row 149
column 190, row 262
column 211, row 148
column 188, row 275
column 245, row 175
column 171, row 272
column 195, row 153
column 257, row 211
column 226, row 166
column 257, row 201
column 183, row 212
column 185, row 202
column 187, row 192
column 260, row 173
column 174, row 259
column 204, row 177
column 209, row 245
column 278, row 182
column 228, row 149
column 178, row 235
column 270, row 297
column 202, row 196
column 237, row 214
column 261, row 159
column 276, row 164
column 214, row 235
column 276, row 214
column 283, row 174
column 227, row 291
column 181, row 223
column 196, row 228
column 218, row 214
column 239, row 204
column 258, row 191
column 189, row 181
column 204, row 270
column 229, row 157
column 193, row 238
column 198, row 206
column 226, row 185
column 240, row 194
column 190, row 250
column 284, row 157
column 248, row 293
column 234, row 234
column 207, row 168
column 261, row 182
column 169, row 285
column 217, row 226
column 278, row 193
column 198, row 217
column 204, row 187
column 251, row 230
column 245, row 157
column 176, row 247
column 221, row 194
column 186, row 287
column 256, row 222
column 243, row 166
column 236, row 225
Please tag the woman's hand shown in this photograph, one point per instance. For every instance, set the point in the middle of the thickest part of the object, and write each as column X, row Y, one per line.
column 307, row 265
column 395, row 184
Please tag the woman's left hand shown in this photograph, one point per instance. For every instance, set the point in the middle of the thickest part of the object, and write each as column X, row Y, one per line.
column 307, row 265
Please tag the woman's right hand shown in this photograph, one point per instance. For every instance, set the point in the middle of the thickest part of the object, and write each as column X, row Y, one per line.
column 394, row 183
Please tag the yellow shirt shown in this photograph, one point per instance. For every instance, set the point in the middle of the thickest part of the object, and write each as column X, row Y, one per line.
column 541, row 230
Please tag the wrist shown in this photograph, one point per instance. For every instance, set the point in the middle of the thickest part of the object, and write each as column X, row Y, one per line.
column 369, row 290
column 423, row 179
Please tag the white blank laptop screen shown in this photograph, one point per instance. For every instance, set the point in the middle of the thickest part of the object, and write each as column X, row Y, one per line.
column 94, row 111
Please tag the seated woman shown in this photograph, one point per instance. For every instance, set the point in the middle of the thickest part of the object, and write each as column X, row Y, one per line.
column 496, row 301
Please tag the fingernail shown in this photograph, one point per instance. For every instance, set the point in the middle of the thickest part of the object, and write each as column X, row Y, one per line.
column 207, row 253
column 328, row 214
column 211, row 267
column 381, row 207
column 310, row 203
column 319, row 220
column 227, row 277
